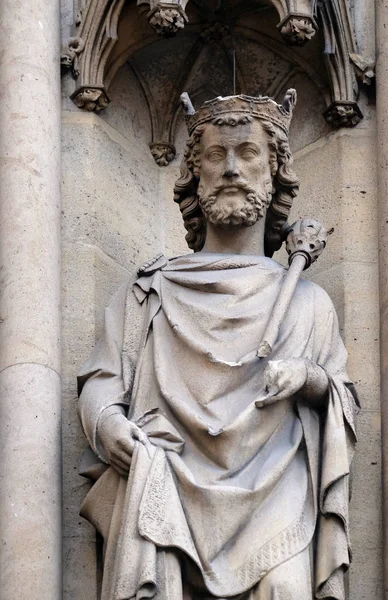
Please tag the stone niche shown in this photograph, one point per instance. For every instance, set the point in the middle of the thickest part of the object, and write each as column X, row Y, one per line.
column 119, row 167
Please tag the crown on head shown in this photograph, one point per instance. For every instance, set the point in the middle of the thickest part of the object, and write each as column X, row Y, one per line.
column 261, row 107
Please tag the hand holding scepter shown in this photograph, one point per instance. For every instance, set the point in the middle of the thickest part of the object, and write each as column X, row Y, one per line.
column 305, row 242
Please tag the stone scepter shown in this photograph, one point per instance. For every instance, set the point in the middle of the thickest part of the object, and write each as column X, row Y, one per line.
column 306, row 240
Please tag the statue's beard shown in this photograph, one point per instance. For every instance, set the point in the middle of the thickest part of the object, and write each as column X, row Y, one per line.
column 226, row 216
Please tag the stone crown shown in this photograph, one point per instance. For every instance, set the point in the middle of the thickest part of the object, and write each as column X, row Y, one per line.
column 261, row 107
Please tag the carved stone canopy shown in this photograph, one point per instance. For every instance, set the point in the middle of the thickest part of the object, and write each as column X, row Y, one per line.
column 109, row 33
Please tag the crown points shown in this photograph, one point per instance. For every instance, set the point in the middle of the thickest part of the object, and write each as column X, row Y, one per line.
column 290, row 100
column 187, row 104
column 261, row 107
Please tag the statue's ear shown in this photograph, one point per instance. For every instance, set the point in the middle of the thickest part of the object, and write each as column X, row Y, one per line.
column 290, row 100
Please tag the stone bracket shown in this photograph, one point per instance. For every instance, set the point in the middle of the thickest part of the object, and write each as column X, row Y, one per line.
column 343, row 114
column 163, row 153
column 167, row 18
column 297, row 28
column 92, row 99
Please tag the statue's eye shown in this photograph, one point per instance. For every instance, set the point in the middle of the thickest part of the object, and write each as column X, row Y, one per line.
column 215, row 155
column 249, row 153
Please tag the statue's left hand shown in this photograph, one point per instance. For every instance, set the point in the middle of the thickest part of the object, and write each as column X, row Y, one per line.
column 285, row 378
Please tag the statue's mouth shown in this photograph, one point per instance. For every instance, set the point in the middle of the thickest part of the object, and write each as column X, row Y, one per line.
column 231, row 188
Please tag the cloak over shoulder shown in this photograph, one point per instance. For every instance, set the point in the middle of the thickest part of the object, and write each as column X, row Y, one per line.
column 236, row 489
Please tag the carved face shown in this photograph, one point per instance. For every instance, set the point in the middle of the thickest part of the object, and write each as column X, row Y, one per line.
column 235, row 180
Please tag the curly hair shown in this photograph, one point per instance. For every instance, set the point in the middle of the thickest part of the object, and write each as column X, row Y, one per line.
column 285, row 185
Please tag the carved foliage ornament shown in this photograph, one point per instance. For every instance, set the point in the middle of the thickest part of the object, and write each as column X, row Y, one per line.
column 91, row 99
column 163, row 153
column 166, row 18
column 343, row 114
column 297, row 30
column 167, row 21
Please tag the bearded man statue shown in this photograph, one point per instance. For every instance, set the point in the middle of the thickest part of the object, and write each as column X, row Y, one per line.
column 219, row 474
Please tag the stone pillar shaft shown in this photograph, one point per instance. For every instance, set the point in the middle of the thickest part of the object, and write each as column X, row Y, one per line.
column 382, row 173
column 30, row 407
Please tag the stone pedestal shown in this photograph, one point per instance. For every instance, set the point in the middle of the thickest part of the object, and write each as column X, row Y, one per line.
column 30, row 408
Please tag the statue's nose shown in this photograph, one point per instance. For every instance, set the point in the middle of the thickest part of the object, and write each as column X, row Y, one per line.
column 231, row 169
column 231, row 173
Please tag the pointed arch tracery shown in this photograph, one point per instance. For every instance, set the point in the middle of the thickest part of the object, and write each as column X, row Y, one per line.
column 109, row 32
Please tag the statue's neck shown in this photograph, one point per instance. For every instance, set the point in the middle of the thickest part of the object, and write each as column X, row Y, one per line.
column 246, row 240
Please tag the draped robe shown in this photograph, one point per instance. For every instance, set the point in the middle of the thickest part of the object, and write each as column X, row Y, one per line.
column 235, row 489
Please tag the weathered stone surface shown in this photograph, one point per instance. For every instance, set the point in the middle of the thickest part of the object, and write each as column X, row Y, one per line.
column 80, row 558
column 110, row 201
column 91, row 278
column 344, row 196
column 382, row 195
column 30, row 325
column 30, row 480
column 112, row 180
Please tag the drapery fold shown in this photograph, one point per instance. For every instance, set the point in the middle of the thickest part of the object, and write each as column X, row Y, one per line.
column 263, row 482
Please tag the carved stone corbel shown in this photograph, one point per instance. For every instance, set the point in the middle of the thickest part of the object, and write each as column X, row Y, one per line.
column 297, row 20
column 343, row 114
column 92, row 99
column 297, row 29
column 165, row 17
column 163, row 153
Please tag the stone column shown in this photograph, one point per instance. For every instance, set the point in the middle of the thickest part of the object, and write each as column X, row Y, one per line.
column 30, row 407
column 382, row 182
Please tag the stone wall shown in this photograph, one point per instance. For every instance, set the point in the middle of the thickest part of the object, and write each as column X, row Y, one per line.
column 339, row 186
column 112, row 216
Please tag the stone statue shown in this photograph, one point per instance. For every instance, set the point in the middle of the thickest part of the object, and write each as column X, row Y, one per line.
column 220, row 474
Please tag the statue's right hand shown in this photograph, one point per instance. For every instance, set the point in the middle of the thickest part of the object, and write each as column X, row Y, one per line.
column 117, row 436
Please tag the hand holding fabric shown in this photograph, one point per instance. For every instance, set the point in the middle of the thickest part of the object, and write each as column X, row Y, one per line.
column 286, row 378
column 118, row 436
